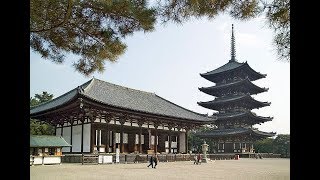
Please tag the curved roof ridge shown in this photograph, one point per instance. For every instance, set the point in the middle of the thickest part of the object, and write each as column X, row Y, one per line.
column 257, row 100
column 263, row 117
column 132, row 89
column 262, row 132
column 60, row 99
column 205, row 115
column 224, row 68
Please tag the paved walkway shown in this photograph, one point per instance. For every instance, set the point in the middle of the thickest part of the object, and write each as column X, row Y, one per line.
column 243, row 169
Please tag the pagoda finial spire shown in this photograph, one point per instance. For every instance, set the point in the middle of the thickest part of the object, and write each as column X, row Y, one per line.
column 233, row 48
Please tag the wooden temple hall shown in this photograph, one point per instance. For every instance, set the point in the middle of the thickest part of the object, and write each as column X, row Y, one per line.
column 100, row 116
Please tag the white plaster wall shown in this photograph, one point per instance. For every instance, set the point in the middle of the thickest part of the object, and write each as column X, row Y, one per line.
column 86, row 138
column 135, row 124
column 67, row 136
column 97, row 120
column 182, row 142
column 58, row 132
column 127, row 124
column 76, row 138
column 52, row 160
column 37, row 160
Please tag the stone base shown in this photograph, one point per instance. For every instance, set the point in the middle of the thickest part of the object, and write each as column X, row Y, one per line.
column 204, row 160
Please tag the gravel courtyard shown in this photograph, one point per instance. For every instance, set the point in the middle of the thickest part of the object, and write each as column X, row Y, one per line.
column 243, row 169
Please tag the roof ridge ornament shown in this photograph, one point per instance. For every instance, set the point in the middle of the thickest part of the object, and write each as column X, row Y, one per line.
column 233, row 48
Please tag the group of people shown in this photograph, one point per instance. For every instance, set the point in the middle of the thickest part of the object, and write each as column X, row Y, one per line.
column 153, row 159
column 197, row 159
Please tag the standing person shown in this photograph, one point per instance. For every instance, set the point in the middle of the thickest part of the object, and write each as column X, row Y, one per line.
column 195, row 159
column 151, row 161
column 199, row 158
column 155, row 160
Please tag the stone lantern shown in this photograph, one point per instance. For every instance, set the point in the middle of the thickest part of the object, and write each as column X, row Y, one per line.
column 204, row 147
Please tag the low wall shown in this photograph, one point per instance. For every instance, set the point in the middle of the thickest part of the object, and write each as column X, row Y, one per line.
column 36, row 160
column 144, row 158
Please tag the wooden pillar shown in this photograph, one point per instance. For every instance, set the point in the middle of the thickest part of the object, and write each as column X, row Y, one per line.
column 121, row 138
column 61, row 129
column 155, row 139
column 92, row 137
column 114, row 141
column 107, row 139
column 82, row 133
column 71, row 131
column 178, row 142
column 140, row 133
column 186, row 140
column 149, row 139
column 169, row 140
column 162, row 139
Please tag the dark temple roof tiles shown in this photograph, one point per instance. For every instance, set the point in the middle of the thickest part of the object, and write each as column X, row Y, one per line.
column 239, row 82
column 127, row 98
column 232, row 98
column 228, row 115
column 230, row 66
column 233, row 131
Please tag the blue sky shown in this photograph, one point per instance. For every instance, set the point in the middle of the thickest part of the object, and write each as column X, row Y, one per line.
column 168, row 62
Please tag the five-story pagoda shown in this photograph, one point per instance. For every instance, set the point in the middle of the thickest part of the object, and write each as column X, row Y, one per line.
column 233, row 89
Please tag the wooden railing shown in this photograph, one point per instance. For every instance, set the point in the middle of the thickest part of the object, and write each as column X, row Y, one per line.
column 90, row 159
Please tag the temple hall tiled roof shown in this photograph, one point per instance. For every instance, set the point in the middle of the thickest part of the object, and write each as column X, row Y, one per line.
column 122, row 97
column 47, row 141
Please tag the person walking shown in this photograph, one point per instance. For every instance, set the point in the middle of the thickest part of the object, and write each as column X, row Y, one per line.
column 199, row 158
column 195, row 159
column 155, row 160
column 151, row 161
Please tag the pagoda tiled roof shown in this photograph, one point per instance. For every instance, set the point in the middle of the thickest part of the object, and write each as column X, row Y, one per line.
column 232, row 99
column 125, row 98
column 238, row 114
column 234, row 131
column 226, row 67
column 229, row 67
column 213, row 89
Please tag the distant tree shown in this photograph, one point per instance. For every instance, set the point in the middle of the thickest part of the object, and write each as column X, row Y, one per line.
column 94, row 29
column 264, row 145
column 37, row 127
column 40, row 98
column 195, row 142
column 282, row 145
